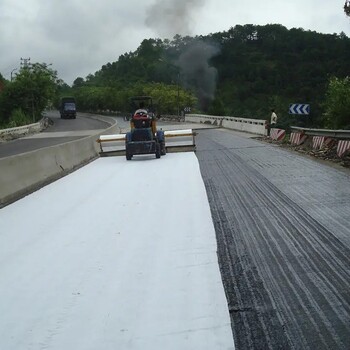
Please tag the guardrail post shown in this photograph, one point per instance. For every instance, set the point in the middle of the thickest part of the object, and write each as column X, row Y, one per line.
column 297, row 138
column 343, row 147
column 277, row 134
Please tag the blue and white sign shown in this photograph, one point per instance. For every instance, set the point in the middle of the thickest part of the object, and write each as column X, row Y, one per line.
column 298, row 108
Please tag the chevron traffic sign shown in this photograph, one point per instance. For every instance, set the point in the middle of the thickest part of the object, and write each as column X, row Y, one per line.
column 298, row 108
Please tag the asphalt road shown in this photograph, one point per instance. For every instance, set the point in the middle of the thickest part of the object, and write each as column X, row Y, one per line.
column 62, row 130
column 281, row 222
column 65, row 130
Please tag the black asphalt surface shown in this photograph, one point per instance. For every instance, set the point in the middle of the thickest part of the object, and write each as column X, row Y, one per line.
column 281, row 222
column 59, row 125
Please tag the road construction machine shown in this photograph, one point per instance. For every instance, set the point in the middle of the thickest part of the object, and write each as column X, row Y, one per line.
column 144, row 137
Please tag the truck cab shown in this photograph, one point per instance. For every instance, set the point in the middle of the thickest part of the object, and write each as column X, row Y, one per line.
column 68, row 108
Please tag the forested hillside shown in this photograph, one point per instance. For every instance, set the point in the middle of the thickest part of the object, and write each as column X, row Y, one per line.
column 244, row 71
column 263, row 67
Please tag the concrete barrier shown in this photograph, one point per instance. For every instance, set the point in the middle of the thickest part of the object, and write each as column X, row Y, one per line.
column 277, row 134
column 204, row 119
column 25, row 173
column 297, row 138
column 254, row 126
column 343, row 147
column 21, row 131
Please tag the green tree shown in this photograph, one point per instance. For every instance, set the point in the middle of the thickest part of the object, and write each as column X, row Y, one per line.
column 33, row 89
column 217, row 107
column 256, row 64
column 337, row 104
column 78, row 82
column 2, row 83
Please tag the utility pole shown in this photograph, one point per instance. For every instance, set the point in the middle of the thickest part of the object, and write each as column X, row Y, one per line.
column 25, row 62
column 12, row 72
column 178, row 94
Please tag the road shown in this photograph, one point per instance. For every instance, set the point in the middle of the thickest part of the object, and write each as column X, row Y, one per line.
column 113, row 256
column 65, row 130
column 62, row 130
column 281, row 222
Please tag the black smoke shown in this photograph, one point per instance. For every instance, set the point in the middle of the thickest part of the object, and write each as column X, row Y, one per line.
column 196, row 72
column 175, row 17
column 170, row 17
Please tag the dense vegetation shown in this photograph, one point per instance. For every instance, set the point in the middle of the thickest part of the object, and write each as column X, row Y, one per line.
column 245, row 71
column 23, row 100
column 257, row 68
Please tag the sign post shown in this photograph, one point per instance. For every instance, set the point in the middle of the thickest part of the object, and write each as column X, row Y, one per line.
column 299, row 108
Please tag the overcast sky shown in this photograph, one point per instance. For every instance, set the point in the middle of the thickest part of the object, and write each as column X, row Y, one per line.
column 79, row 36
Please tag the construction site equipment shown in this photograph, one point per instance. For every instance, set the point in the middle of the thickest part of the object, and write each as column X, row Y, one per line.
column 144, row 137
column 175, row 141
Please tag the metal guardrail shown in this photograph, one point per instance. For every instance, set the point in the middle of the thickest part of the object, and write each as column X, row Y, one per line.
column 336, row 134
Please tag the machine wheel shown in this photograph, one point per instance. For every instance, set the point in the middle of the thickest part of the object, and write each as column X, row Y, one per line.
column 128, row 154
column 162, row 149
column 158, row 154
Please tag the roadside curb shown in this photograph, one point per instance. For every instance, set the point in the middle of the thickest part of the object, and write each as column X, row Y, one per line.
column 27, row 172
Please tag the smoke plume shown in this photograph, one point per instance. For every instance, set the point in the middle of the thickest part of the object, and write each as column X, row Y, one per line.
column 196, row 73
column 170, row 17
